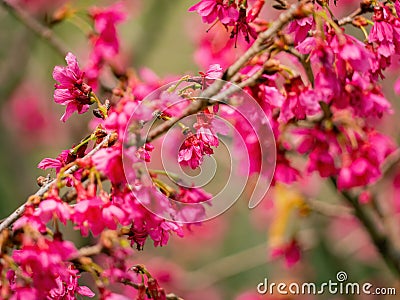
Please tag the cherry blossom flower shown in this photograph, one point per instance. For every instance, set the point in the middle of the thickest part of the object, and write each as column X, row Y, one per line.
column 105, row 41
column 192, row 151
column 71, row 90
column 301, row 101
column 290, row 252
column 210, row 10
column 204, row 129
column 109, row 161
column 322, row 147
column 300, row 28
column 385, row 32
column 44, row 261
column 69, row 288
column 214, row 72
column 144, row 152
column 361, row 166
column 242, row 26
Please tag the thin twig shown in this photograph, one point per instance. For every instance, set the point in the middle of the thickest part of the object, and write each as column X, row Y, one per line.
column 89, row 251
column 349, row 19
column 169, row 296
column 39, row 29
column 227, row 266
column 329, row 209
column 212, row 91
column 20, row 210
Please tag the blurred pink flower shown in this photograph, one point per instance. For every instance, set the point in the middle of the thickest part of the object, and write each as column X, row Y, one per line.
column 29, row 118
column 105, row 40
column 290, row 252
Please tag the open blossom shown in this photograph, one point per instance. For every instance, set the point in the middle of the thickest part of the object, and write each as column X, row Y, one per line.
column 192, row 151
column 322, row 147
column 96, row 213
column 144, row 152
column 63, row 159
column 106, row 44
column 210, row 10
column 242, row 26
column 214, row 72
column 109, row 161
column 67, row 289
column 71, row 90
column 300, row 28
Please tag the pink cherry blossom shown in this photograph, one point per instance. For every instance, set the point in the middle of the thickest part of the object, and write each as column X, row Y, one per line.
column 67, row 290
column 204, row 129
column 362, row 166
column 105, row 41
column 71, row 90
column 192, row 151
column 44, row 261
column 214, row 72
column 210, row 10
column 385, row 32
column 290, row 252
column 109, row 161
column 300, row 28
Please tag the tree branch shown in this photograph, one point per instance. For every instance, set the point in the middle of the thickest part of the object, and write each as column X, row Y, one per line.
column 20, row 210
column 349, row 19
column 213, row 90
column 39, row 29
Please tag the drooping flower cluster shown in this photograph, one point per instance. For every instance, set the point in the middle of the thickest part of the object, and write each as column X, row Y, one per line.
column 197, row 145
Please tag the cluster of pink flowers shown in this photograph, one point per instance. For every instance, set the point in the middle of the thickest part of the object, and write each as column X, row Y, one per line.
column 319, row 89
column 105, row 39
column 232, row 14
column 44, row 262
column 197, row 145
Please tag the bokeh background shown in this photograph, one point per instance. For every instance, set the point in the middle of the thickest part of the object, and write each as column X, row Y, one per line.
column 224, row 258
